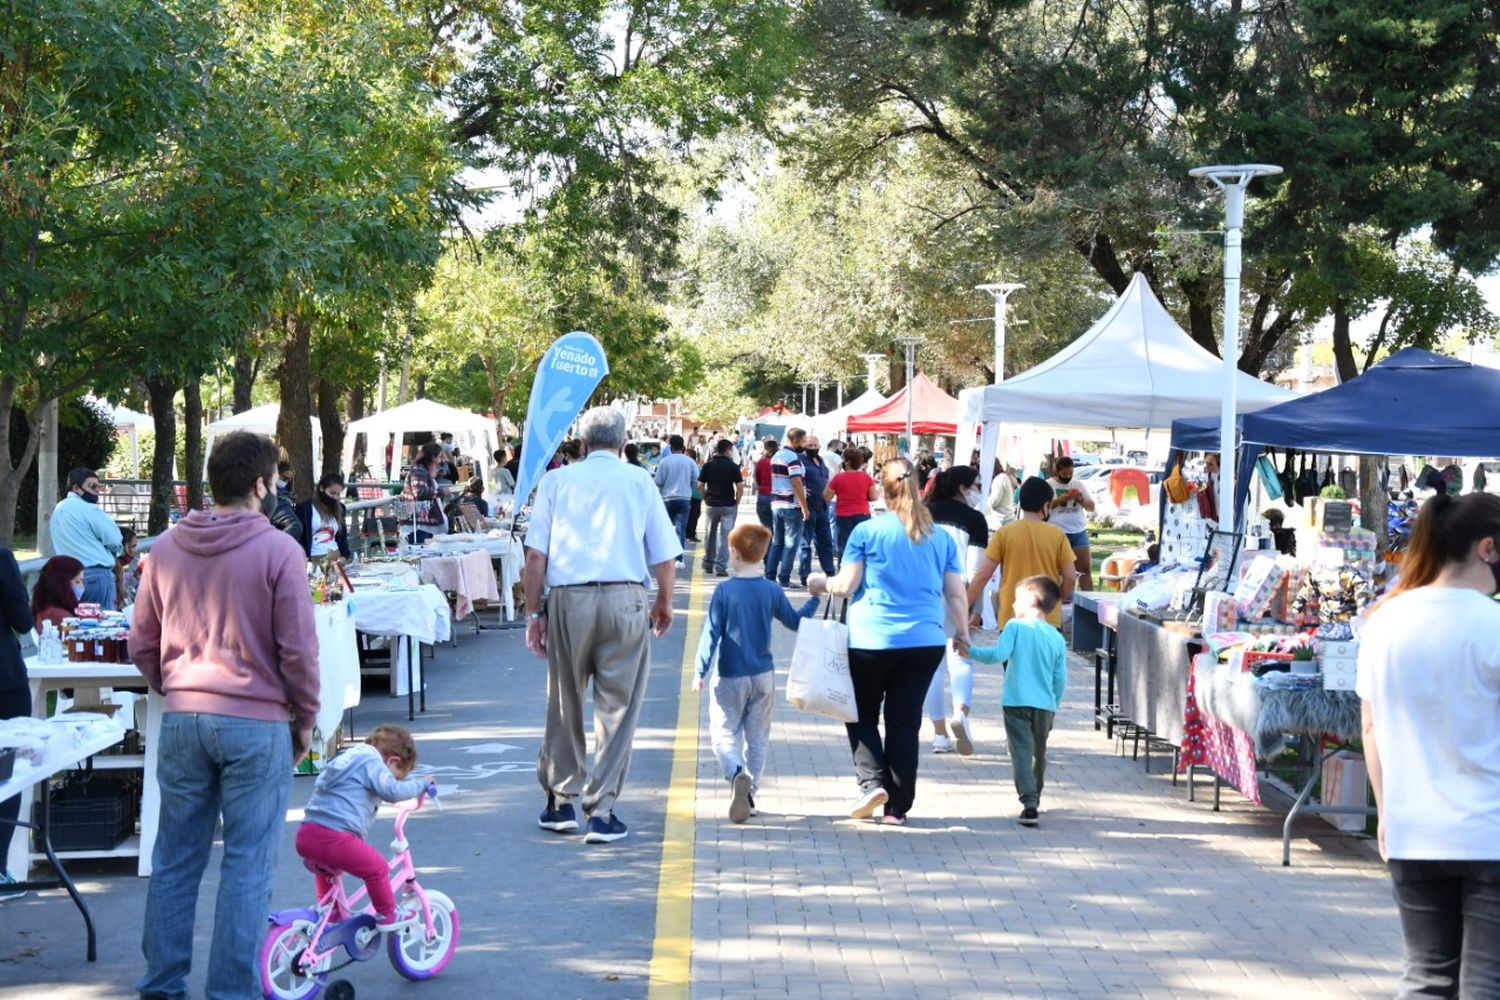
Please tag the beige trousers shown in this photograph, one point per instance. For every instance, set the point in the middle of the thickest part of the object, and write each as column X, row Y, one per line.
column 598, row 634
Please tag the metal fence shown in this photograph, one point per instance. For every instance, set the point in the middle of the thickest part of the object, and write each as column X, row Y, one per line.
column 128, row 501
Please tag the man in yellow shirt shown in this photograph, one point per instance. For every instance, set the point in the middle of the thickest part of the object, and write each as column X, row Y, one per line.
column 1026, row 548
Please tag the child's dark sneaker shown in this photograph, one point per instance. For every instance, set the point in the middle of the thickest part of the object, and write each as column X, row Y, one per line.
column 1029, row 816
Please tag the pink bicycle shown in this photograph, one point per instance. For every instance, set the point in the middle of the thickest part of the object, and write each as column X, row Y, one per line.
column 302, row 945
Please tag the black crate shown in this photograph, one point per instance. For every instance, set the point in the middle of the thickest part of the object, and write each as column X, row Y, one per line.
column 7, row 763
column 93, row 815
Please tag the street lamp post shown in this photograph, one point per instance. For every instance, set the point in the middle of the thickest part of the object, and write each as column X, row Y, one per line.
column 1001, row 292
column 1232, row 180
column 910, row 344
column 817, row 396
column 872, row 368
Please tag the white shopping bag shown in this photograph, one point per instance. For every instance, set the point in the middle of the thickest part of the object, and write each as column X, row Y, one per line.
column 819, row 681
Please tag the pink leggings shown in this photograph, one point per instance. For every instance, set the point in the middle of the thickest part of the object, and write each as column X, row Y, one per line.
column 346, row 852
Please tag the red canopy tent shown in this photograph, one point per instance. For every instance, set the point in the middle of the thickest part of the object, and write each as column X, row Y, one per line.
column 933, row 411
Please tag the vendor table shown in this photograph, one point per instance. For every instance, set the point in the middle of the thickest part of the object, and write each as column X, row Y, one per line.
column 413, row 615
column 52, row 677
column 1231, row 720
column 1153, row 676
column 1096, row 617
column 505, row 553
column 467, row 574
column 57, row 759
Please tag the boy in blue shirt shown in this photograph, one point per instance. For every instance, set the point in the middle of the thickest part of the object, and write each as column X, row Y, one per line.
column 1035, row 675
column 737, row 644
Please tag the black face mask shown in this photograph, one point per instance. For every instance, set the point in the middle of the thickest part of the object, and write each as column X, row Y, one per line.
column 1495, row 569
column 811, row 452
column 268, row 503
column 1065, row 479
column 88, row 497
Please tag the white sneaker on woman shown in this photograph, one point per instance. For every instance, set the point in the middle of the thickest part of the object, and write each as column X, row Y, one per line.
column 864, row 807
column 942, row 744
column 962, row 741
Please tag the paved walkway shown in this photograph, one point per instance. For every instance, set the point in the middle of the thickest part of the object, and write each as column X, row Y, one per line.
column 1125, row 889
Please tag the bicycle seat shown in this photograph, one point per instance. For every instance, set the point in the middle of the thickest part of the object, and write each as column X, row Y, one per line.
column 318, row 869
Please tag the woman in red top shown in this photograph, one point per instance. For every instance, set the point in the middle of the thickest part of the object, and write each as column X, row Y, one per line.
column 59, row 588
column 851, row 491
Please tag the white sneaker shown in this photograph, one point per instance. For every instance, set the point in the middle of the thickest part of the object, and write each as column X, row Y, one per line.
column 962, row 741
column 864, row 807
column 942, row 744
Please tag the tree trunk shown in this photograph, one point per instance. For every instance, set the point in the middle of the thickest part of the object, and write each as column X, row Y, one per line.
column 421, row 386
column 294, row 426
column 1343, row 347
column 11, row 475
column 333, row 428
column 192, row 441
column 161, row 390
column 354, row 409
column 1201, row 299
column 244, row 380
column 1373, row 498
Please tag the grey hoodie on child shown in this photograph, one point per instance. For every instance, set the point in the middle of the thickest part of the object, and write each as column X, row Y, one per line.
column 351, row 788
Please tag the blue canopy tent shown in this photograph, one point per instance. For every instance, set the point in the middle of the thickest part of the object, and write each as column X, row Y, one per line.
column 1412, row 403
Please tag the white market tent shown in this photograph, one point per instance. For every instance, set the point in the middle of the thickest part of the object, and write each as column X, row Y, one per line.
column 129, row 423
column 1134, row 369
column 834, row 423
column 474, row 434
column 259, row 420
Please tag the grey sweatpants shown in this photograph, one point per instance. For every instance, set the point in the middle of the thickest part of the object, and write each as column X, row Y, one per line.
column 1026, row 729
column 599, row 635
column 739, row 717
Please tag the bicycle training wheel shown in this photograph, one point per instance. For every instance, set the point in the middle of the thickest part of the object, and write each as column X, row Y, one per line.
column 281, row 974
column 412, row 953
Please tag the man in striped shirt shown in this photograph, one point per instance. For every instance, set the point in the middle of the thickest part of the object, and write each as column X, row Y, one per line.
column 788, row 507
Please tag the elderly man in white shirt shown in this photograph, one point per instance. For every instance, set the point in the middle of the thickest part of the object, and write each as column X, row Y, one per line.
column 598, row 533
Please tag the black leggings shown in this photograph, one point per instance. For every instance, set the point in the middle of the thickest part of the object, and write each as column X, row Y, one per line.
column 899, row 678
column 14, row 704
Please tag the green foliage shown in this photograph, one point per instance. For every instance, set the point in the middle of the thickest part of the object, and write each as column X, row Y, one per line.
column 85, row 438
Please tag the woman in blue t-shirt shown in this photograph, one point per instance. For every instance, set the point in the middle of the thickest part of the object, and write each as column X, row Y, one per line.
column 904, row 577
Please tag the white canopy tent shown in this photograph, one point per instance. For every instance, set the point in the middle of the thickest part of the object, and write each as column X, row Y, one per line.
column 259, row 420
column 1135, row 369
column 474, row 434
column 130, row 423
column 833, row 423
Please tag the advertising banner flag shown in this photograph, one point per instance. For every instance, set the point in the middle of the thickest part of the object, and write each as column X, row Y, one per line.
column 569, row 373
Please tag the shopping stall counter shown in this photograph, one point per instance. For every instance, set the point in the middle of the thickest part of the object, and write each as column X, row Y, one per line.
column 505, row 553
column 1096, row 617
column 1152, row 676
column 464, row 572
column 82, row 741
column 409, row 616
column 1231, row 720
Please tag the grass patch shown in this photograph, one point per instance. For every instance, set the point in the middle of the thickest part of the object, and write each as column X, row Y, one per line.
column 1103, row 542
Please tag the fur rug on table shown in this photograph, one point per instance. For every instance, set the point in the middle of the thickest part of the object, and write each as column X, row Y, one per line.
column 1269, row 713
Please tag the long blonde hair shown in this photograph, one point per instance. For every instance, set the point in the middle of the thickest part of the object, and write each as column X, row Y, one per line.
column 898, row 482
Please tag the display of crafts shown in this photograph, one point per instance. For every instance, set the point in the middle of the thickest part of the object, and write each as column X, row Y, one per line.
column 35, row 740
column 1333, row 594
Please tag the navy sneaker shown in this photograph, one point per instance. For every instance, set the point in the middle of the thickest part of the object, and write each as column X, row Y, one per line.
column 604, row 830
column 558, row 818
column 1029, row 816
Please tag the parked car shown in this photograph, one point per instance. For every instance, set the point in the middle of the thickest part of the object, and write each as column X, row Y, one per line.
column 648, row 450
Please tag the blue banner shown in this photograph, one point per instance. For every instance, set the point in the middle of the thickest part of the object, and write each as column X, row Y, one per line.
column 569, row 373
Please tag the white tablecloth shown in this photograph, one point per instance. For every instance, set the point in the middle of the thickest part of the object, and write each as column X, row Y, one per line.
column 338, row 664
column 419, row 614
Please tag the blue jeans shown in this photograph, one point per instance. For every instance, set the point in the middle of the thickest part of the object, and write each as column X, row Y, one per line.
column 763, row 511
column 815, row 532
column 786, row 539
column 677, row 510
column 210, row 764
column 99, row 587
column 846, row 526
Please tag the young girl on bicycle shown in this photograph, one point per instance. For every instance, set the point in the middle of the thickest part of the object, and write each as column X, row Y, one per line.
column 343, row 805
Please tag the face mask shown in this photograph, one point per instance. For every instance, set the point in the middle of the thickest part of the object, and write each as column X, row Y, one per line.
column 448, row 448
column 1495, row 569
column 268, row 503
column 89, row 497
column 973, row 499
column 1065, row 479
column 282, row 484
column 78, row 591
column 812, row 452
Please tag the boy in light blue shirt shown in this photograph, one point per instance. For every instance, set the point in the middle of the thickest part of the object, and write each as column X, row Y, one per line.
column 1036, row 673
column 736, row 646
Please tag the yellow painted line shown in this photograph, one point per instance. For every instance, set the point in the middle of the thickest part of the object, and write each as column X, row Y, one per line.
column 672, row 949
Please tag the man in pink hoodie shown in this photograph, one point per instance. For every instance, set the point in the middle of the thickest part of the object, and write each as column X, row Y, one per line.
column 224, row 630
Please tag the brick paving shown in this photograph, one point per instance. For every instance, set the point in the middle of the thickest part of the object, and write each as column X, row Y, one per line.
column 1126, row 889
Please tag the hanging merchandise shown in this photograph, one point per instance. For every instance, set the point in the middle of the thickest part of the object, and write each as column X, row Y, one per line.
column 1307, row 482
column 1349, row 481
column 1268, row 477
column 1289, row 477
column 1327, row 480
column 1453, row 480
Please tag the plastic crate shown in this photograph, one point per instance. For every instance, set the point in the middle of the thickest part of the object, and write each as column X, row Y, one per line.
column 95, row 815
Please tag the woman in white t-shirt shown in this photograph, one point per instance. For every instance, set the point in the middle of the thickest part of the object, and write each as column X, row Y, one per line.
column 323, row 531
column 1072, row 503
column 1429, row 684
